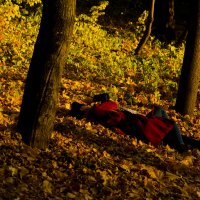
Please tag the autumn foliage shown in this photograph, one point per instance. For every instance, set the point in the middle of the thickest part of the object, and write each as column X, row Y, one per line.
column 85, row 160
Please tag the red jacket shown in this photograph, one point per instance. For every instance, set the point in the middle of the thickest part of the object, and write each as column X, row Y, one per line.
column 153, row 128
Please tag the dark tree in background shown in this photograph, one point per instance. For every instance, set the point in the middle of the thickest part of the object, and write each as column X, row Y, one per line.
column 164, row 20
column 40, row 98
column 190, row 74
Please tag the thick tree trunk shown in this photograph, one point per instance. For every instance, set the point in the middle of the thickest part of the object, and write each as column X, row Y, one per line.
column 190, row 74
column 42, row 85
column 148, row 29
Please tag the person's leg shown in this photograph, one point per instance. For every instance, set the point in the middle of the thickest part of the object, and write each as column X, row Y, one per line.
column 191, row 142
column 178, row 134
column 174, row 139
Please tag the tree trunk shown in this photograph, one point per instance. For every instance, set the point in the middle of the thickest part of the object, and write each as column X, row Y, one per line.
column 190, row 74
column 164, row 22
column 148, row 29
column 41, row 91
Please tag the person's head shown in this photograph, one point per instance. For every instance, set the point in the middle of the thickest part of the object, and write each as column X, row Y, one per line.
column 79, row 110
column 104, row 97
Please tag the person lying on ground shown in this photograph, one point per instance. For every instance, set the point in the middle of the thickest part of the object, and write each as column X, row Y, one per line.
column 155, row 127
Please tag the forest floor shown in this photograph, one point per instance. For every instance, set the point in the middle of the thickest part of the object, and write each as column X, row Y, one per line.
column 87, row 161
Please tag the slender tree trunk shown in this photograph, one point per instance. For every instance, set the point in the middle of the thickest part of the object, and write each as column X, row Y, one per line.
column 190, row 74
column 40, row 98
column 148, row 29
column 182, row 37
column 170, row 26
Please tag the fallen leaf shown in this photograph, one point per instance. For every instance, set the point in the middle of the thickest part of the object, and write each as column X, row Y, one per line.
column 23, row 171
column 54, row 164
column 104, row 176
column 71, row 195
column 172, row 176
column 13, row 170
column 198, row 194
column 188, row 160
column 47, row 187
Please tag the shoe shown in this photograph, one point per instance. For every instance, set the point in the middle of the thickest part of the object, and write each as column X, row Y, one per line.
column 195, row 144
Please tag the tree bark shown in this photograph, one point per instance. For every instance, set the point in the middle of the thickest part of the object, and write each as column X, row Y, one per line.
column 41, row 91
column 190, row 74
column 148, row 29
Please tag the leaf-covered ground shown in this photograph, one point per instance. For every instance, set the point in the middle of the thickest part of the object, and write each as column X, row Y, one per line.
column 87, row 161
column 84, row 160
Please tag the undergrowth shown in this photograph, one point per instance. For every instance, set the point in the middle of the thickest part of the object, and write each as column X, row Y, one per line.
column 95, row 54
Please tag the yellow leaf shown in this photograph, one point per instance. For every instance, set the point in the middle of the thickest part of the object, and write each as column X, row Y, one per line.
column 10, row 180
column 13, row 170
column 188, row 160
column 71, row 195
column 145, row 181
column 172, row 176
column 68, row 106
column 89, row 127
column 134, row 142
column 47, row 187
column 2, row 171
column 115, row 90
column 106, row 154
column 44, row 174
column 134, row 194
column 125, row 166
column 30, row 158
column 183, row 129
column 169, row 148
column 23, row 172
column 154, row 173
column 54, row 164
column 1, row 116
column 91, row 178
column 104, row 176
column 70, row 166
column 23, row 187
column 59, row 174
